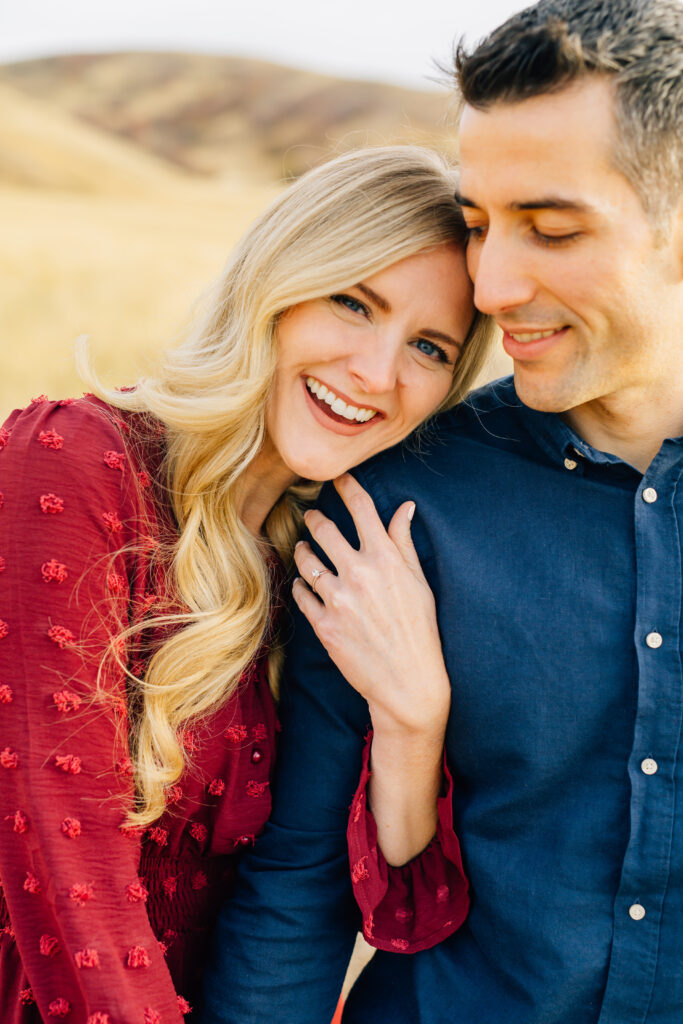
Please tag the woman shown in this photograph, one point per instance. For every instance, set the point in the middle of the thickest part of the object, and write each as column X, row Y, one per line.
column 144, row 535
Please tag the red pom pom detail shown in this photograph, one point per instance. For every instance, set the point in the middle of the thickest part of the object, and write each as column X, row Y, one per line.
column 71, row 827
column 49, row 945
column 61, row 636
column 87, row 958
column 8, row 758
column 174, row 794
column 50, row 504
column 26, row 997
column 4, row 629
column 359, row 870
column 81, row 893
column 115, row 582
column 4, row 437
column 68, row 763
column 112, row 522
column 125, row 767
column 158, row 835
column 66, row 701
column 188, row 741
column 216, row 787
column 40, row 400
column 199, row 880
column 236, row 733
column 138, row 957
column 170, row 886
column 401, row 944
column 31, row 884
column 59, row 1008
column 151, row 1016
column 183, row 1005
column 199, row 832
column 442, row 894
column 259, row 732
column 53, row 571
column 20, row 822
column 98, row 1018
column 144, row 479
column 51, row 439
column 115, row 460
column 6, row 694
column 255, row 788
column 136, row 892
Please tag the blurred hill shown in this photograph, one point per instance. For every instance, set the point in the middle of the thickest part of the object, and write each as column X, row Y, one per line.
column 230, row 117
column 125, row 180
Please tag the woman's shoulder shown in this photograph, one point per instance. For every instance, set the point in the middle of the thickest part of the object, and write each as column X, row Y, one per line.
column 85, row 434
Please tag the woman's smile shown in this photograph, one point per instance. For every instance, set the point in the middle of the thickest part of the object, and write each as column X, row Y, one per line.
column 338, row 409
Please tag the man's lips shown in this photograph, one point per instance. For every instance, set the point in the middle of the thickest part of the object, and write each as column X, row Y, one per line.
column 528, row 350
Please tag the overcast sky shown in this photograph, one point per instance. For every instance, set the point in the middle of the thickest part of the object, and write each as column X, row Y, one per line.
column 356, row 38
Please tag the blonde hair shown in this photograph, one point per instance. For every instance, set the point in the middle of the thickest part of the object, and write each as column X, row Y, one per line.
column 338, row 224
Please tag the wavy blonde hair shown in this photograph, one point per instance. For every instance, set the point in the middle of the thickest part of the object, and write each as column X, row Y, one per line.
column 339, row 223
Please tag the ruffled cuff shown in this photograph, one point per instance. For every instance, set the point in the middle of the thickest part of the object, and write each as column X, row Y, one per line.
column 413, row 907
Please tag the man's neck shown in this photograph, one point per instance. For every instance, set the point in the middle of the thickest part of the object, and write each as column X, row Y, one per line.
column 631, row 425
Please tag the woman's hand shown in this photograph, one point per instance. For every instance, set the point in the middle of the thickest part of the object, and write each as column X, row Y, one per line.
column 376, row 617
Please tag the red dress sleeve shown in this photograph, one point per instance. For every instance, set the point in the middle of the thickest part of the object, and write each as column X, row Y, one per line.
column 68, row 557
column 412, row 907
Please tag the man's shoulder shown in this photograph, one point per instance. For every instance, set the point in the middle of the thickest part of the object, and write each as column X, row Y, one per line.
column 489, row 418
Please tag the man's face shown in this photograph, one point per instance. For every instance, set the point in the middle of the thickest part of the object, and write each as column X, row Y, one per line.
column 562, row 253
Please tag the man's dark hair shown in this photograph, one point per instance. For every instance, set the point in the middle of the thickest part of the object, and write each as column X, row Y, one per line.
column 635, row 44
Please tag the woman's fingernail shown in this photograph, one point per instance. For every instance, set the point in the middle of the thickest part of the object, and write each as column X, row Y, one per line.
column 411, row 511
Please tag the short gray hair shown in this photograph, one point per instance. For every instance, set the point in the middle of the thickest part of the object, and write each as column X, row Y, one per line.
column 637, row 44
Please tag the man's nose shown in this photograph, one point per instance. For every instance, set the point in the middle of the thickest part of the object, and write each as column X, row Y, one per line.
column 502, row 279
column 374, row 366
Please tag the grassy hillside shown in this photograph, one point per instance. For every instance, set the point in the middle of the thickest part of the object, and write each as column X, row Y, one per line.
column 126, row 179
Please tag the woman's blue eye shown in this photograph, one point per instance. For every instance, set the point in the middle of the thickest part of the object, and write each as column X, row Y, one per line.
column 429, row 348
column 350, row 303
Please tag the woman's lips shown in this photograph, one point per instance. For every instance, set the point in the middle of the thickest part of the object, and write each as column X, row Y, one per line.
column 332, row 420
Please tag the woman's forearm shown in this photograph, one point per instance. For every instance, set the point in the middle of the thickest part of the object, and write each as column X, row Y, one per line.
column 405, row 782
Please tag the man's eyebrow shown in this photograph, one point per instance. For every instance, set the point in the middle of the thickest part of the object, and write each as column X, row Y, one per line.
column 543, row 203
column 374, row 297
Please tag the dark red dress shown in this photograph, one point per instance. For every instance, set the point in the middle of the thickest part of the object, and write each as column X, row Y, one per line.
column 103, row 924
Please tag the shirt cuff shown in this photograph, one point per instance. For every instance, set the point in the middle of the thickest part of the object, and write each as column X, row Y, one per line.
column 413, row 907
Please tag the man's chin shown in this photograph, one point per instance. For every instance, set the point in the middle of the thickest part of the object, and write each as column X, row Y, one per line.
column 544, row 396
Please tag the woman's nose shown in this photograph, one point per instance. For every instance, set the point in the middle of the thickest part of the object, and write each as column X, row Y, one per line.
column 375, row 366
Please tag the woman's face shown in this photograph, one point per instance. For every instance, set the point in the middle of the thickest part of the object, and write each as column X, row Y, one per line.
column 359, row 369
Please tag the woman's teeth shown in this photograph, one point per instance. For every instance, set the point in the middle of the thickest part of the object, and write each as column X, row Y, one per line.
column 536, row 336
column 338, row 405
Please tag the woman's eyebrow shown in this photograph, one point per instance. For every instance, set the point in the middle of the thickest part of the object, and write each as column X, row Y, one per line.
column 379, row 301
column 431, row 335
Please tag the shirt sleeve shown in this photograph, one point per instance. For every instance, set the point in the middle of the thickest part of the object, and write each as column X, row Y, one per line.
column 412, row 907
column 283, row 942
column 68, row 540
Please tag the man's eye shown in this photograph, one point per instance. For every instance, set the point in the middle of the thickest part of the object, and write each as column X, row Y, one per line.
column 348, row 302
column 476, row 232
column 551, row 240
column 431, row 349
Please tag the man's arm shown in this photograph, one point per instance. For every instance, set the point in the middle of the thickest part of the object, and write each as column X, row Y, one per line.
column 283, row 942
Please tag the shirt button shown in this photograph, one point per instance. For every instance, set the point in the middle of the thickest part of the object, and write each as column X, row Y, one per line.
column 649, row 495
column 636, row 912
column 256, row 755
column 570, row 464
column 649, row 766
column 654, row 640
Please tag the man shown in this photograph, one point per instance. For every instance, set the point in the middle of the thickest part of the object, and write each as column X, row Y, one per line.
column 549, row 524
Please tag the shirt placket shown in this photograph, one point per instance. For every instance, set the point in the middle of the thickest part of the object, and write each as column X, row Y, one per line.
column 653, row 761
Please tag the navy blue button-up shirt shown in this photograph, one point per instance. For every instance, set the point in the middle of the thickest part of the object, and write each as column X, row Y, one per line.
column 557, row 575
